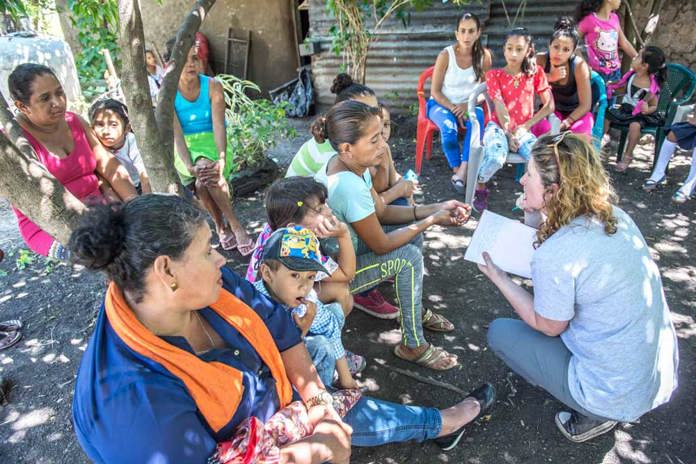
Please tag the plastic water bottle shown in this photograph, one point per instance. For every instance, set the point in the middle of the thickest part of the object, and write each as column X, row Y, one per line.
column 527, row 141
column 410, row 175
column 555, row 124
column 413, row 177
column 301, row 310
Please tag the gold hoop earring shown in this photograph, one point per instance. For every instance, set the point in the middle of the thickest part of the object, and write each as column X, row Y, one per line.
column 174, row 286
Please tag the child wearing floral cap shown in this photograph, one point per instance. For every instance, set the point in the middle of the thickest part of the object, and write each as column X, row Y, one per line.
column 289, row 265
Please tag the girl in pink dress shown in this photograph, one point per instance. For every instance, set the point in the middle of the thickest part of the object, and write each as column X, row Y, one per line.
column 66, row 145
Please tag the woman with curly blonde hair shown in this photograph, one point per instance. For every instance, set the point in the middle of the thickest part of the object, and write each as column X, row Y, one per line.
column 597, row 333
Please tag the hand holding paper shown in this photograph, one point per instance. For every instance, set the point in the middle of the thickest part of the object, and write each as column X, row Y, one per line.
column 508, row 243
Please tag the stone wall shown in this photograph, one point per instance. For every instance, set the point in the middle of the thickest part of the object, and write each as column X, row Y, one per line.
column 272, row 55
column 676, row 30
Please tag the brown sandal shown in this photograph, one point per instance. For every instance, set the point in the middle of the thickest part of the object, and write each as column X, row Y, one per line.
column 430, row 357
column 246, row 248
column 436, row 322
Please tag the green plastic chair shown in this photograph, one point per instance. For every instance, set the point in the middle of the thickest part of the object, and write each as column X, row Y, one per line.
column 677, row 90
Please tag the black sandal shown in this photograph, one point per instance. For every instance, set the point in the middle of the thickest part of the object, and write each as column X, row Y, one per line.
column 485, row 395
column 9, row 339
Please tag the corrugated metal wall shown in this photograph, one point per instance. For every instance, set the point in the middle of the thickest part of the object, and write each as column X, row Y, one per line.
column 396, row 57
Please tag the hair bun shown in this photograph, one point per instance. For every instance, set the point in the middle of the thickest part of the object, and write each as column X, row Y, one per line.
column 564, row 23
column 99, row 238
column 318, row 129
column 340, row 83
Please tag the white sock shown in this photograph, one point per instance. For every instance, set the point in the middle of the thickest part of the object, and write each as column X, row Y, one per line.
column 690, row 181
column 666, row 153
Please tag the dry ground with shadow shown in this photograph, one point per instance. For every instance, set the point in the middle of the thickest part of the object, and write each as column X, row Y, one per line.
column 58, row 304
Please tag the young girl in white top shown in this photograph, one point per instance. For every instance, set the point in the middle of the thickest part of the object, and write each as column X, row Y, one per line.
column 109, row 119
column 458, row 69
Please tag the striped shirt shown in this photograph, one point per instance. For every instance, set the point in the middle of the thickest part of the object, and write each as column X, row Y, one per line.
column 310, row 158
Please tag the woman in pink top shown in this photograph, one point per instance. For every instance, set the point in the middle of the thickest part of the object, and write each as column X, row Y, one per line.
column 66, row 145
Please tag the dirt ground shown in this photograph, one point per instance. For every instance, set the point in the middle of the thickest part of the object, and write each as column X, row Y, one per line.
column 58, row 305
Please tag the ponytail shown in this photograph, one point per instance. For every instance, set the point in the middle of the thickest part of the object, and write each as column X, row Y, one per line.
column 318, row 129
column 345, row 122
column 477, row 50
column 655, row 58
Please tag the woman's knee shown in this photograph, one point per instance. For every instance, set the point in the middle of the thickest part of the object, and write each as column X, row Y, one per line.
column 500, row 333
column 634, row 128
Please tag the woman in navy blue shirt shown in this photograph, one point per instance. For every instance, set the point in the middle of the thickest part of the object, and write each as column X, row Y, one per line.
column 164, row 381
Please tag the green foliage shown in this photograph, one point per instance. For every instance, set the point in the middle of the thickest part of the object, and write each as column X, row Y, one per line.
column 253, row 125
column 97, row 24
column 35, row 10
column 14, row 9
column 24, row 259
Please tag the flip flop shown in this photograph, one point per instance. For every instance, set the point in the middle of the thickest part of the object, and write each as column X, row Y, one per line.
column 436, row 322
column 10, row 326
column 356, row 363
column 228, row 241
column 245, row 249
column 430, row 357
column 9, row 339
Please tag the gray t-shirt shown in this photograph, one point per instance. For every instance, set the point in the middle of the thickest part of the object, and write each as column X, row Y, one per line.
column 130, row 158
column 620, row 333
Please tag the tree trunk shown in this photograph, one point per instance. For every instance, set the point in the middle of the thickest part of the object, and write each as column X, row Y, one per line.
column 29, row 187
column 164, row 113
column 153, row 130
column 156, row 151
column 69, row 31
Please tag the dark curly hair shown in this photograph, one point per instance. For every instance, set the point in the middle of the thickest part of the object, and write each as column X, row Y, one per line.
column 345, row 89
column 565, row 27
column 123, row 240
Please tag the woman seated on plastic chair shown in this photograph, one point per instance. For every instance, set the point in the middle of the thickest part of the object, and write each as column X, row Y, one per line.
column 569, row 77
column 458, row 69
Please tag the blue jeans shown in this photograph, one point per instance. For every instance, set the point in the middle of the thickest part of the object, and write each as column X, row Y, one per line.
column 449, row 132
column 611, row 77
column 320, row 350
column 496, row 149
column 376, row 422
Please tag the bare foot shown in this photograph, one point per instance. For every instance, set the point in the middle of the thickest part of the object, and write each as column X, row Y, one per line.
column 460, row 414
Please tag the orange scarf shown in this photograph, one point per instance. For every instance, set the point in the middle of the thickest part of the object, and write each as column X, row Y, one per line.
column 215, row 387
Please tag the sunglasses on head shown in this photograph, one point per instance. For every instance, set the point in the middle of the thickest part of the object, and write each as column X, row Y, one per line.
column 555, row 142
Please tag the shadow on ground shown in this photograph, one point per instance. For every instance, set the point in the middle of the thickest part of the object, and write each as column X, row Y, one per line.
column 58, row 304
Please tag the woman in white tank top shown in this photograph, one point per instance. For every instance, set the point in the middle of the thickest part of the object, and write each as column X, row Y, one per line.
column 458, row 69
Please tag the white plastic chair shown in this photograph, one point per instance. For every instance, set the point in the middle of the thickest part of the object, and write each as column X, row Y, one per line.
column 476, row 149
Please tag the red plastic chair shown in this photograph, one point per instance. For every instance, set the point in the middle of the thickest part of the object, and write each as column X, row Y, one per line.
column 425, row 127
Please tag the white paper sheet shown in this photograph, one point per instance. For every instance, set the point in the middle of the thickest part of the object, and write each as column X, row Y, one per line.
column 508, row 242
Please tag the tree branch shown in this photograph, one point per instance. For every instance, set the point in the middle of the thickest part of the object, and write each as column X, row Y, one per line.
column 184, row 41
